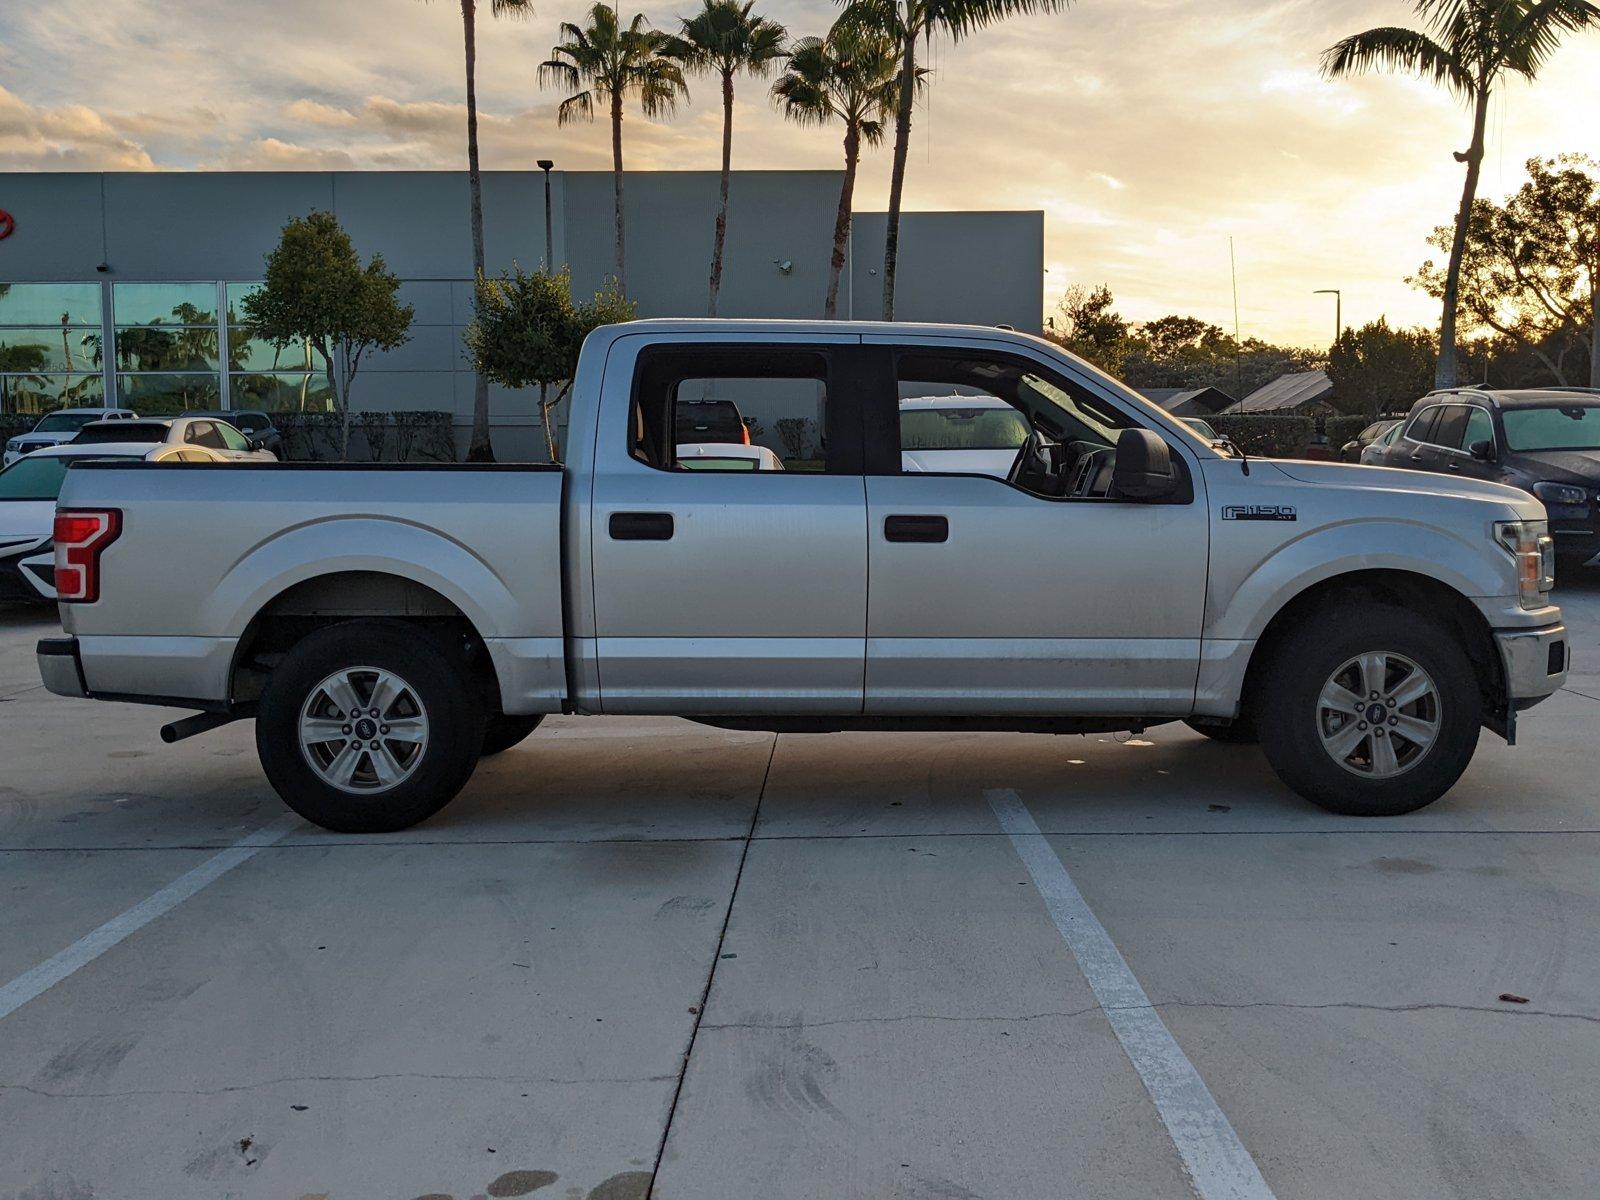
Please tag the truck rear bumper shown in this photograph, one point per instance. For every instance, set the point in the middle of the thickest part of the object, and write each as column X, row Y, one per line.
column 59, row 666
column 1535, row 660
column 181, row 672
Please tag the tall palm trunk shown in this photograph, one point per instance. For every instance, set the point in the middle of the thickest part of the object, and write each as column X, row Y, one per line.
column 480, row 449
column 897, row 180
column 616, row 184
column 722, row 203
column 1444, row 375
column 841, row 223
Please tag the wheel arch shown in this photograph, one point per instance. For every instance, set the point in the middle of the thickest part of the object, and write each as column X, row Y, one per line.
column 337, row 597
column 1412, row 590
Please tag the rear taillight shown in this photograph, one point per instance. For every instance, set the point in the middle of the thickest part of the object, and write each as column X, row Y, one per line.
column 745, row 430
column 81, row 535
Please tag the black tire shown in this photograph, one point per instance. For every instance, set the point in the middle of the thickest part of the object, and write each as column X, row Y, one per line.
column 501, row 732
column 1241, row 731
column 451, row 712
column 1291, row 719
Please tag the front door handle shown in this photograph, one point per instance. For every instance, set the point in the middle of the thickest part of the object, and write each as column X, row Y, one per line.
column 641, row 527
column 1416, row 458
column 919, row 528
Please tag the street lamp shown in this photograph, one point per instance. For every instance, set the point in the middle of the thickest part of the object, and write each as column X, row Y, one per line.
column 549, row 245
column 1338, row 309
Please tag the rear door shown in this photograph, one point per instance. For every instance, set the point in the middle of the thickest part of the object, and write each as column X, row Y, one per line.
column 730, row 591
column 1414, row 448
column 990, row 597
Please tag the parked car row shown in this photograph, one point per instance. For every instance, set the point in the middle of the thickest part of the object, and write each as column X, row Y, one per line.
column 1544, row 441
column 36, row 465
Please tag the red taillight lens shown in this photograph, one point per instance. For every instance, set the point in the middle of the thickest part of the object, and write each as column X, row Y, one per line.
column 81, row 534
column 745, row 429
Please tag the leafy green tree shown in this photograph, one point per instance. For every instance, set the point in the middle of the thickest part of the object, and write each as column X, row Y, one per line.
column 1091, row 328
column 1531, row 272
column 1468, row 47
column 316, row 290
column 480, row 449
column 608, row 64
column 850, row 76
column 526, row 332
column 725, row 38
column 908, row 23
column 1376, row 369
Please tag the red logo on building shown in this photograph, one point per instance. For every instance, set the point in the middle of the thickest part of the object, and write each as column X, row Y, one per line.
column 8, row 224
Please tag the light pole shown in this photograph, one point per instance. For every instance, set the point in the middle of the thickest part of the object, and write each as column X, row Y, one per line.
column 1338, row 310
column 549, row 244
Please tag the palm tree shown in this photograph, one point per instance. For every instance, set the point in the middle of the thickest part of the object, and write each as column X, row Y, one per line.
column 1468, row 47
column 722, row 39
column 480, row 449
column 909, row 22
column 851, row 74
column 615, row 64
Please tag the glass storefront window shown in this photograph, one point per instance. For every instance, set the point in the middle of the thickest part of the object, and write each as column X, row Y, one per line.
column 41, row 393
column 153, row 348
column 164, row 303
column 50, row 304
column 284, row 391
column 164, row 395
column 246, row 353
column 49, row 348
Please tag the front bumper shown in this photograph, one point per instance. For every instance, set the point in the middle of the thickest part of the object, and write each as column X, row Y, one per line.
column 1535, row 661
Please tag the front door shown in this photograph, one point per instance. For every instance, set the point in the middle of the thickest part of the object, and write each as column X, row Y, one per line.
column 1039, row 593
column 729, row 540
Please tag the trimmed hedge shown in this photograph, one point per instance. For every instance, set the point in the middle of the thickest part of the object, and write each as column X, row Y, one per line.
column 1285, row 436
column 13, row 424
column 427, row 436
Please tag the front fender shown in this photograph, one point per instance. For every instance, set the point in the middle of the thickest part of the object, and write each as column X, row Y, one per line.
column 1248, row 590
column 388, row 545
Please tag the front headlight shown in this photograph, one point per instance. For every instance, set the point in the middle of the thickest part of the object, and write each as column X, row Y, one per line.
column 13, row 443
column 1534, row 551
column 1560, row 493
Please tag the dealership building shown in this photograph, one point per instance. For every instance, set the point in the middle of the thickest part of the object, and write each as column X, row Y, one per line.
column 154, row 265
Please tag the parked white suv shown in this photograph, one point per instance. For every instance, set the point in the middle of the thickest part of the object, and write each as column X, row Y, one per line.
column 59, row 426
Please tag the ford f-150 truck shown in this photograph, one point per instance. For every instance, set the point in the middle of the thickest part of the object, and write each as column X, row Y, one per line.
column 387, row 625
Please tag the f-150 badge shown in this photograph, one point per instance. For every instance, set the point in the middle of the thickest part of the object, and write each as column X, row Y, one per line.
column 1258, row 512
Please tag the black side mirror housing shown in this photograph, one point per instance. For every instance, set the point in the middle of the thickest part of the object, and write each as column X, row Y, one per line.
column 1144, row 466
column 1483, row 451
column 258, row 443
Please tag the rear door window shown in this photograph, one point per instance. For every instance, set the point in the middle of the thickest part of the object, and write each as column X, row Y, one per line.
column 1422, row 425
column 1452, row 425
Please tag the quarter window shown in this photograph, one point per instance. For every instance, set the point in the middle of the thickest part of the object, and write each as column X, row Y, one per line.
column 1423, row 424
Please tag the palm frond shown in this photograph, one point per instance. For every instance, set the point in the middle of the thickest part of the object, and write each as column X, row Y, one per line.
column 578, row 107
column 961, row 17
column 1533, row 31
column 1394, row 48
column 515, row 9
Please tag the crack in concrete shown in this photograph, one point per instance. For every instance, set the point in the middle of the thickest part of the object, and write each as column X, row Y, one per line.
column 520, row 1080
column 1503, row 1010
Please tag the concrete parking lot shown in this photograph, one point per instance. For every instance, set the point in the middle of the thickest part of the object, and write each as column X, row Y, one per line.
column 641, row 957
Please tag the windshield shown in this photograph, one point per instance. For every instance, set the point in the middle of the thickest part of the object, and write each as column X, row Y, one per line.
column 1104, row 423
column 64, row 422
column 122, row 431
column 962, row 429
column 1564, row 427
column 36, row 477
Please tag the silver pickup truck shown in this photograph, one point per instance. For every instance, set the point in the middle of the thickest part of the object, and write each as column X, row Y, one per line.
column 386, row 626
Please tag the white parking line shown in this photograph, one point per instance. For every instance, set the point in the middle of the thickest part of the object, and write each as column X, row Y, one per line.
column 92, row 945
column 1218, row 1164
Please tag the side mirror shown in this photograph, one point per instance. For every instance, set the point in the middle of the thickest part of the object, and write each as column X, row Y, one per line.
column 1482, row 451
column 1144, row 466
column 258, row 442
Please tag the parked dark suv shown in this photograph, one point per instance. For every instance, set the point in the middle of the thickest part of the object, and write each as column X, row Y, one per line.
column 1543, row 441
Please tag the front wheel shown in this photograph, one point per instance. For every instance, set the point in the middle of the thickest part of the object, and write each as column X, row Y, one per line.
column 367, row 727
column 1370, row 711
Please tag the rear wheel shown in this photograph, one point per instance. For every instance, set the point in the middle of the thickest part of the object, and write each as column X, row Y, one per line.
column 1370, row 711
column 501, row 732
column 367, row 727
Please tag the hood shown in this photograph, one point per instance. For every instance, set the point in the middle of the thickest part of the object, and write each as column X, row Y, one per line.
column 1558, row 466
column 1392, row 479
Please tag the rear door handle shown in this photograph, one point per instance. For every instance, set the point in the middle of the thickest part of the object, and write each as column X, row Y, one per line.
column 918, row 528
column 1416, row 458
column 641, row 527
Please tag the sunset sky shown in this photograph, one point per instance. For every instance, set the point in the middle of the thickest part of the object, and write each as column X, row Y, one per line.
column 1148, row 131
